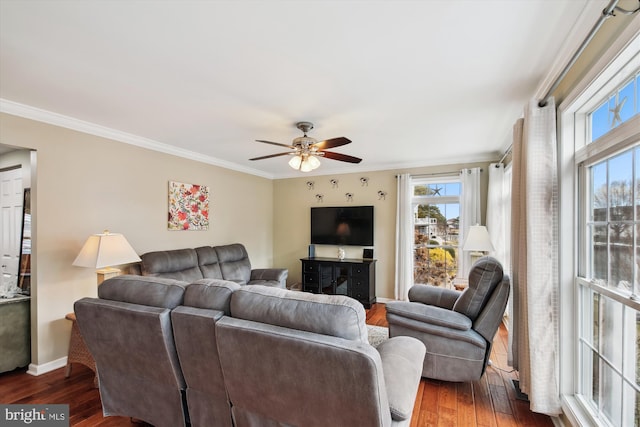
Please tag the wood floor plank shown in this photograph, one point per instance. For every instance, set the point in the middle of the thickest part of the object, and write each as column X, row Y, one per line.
column 465, row 411
column 416, row 407
column 488, row 402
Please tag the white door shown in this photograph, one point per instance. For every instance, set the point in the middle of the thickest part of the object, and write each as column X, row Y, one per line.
column 11, row 223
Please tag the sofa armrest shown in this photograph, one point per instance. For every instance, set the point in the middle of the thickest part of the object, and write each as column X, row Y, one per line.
column 270, row 275
column 433, row 295
column 429, row 314
column 402, row 359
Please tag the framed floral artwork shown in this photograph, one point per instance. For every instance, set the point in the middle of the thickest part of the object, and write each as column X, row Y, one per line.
column 188, row 206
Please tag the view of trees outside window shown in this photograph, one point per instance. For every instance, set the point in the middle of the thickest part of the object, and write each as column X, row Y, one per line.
column 436, row 213
column 612, row 221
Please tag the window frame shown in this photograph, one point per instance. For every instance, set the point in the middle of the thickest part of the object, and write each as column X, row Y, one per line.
column 573, row 151
column 436, row 200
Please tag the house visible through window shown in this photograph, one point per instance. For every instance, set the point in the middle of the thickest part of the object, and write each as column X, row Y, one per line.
column 436, row 219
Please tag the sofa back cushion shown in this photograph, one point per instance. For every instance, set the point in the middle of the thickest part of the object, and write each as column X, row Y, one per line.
column 208, row 262
column 333, row 315
column 483, row 280
column 210, row 294
column 154, row 292
column 179, row 264
column 278, row 376
column 128, row 331
column 234, row 263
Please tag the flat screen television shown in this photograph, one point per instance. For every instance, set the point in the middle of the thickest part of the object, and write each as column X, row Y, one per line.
column 350, row 225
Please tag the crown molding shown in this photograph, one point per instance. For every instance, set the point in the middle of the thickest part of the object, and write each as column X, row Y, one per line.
column 44, row 116
column 393, row 167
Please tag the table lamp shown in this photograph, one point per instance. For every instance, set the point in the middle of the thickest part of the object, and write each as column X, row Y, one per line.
column 102, row 251
column 478, row 242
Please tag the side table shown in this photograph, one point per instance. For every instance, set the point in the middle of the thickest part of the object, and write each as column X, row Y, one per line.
column 78, row 351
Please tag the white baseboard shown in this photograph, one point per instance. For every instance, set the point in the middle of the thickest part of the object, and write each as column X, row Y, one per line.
column 36, row 370
column 381, row 300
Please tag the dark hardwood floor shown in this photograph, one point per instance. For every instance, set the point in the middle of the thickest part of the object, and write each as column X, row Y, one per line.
column 489, row 402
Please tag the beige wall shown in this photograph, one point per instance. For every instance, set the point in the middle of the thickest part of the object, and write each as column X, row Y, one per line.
column 293, row 200
column 85, row 184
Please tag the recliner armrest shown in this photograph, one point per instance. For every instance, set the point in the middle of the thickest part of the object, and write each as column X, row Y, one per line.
column 402, row 359
column 270, row 274
column 429, row 314
column 433, row 295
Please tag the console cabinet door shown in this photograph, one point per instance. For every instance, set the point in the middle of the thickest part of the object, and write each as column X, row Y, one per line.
column 360, row 282
column 311, row 277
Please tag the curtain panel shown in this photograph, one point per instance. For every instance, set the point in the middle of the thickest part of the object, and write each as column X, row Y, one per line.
column 470, row 212
column 533, row 331
column 404, row 239
column 499, row 213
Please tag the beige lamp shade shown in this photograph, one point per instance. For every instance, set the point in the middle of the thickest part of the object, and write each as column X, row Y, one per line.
column 103, row 251
column 478, row 240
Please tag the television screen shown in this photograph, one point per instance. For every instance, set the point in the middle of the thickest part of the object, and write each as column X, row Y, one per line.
column 352, row 225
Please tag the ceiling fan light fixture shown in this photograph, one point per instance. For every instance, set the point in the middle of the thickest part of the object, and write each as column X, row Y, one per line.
column 307, row 165
column 306, row 150
column 295, row 162
column 313, row 161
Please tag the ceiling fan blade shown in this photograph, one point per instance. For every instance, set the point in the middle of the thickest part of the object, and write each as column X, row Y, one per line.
column 275, row 143
column 271, row 155
column 341, row 157
column 332, row 143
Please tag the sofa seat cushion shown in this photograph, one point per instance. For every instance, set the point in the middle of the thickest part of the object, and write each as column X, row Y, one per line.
column 430, row 314
column 179, row 264
column 333, row 315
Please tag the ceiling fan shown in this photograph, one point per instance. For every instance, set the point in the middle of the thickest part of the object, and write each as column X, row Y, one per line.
column 306, row 150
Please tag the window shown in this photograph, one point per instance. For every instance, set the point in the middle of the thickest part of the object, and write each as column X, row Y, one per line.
column 436, row 218
column 616, row 109
column 609, row 317
column 600, row 242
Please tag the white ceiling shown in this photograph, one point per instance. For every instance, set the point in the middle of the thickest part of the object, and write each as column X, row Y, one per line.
column 411, row 83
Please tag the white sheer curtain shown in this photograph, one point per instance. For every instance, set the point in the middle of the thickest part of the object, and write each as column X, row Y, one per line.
column 470, row 212
column 499, row 213
column 404, row 239
column 534, row 237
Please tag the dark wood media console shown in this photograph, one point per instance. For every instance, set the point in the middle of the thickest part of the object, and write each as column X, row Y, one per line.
column 355, row 278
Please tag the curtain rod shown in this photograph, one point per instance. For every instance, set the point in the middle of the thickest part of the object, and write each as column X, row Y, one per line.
column 506, row 153
column 606, row 13
column 450, row 173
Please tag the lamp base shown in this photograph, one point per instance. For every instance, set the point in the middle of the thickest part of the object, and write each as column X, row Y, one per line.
column 475, row 256
column 107, row 273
